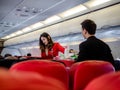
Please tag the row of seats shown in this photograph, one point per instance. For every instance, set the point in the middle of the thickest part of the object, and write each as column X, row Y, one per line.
column 67, row 63
column 28, row 81
column 76, row 77
column 44, row 67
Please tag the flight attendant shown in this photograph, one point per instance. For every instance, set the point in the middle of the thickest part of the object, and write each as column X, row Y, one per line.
column 49, row 49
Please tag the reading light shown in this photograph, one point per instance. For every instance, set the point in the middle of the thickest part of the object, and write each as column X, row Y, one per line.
column 27, row 11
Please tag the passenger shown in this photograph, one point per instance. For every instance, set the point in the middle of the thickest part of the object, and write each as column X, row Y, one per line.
column 29, row 56
column 93, row 48
column 7, row 55
column 49, row 49
column 71, row 51
column 72, row 54
column 10, row 57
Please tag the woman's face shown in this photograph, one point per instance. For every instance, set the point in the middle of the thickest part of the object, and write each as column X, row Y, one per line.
column 44, row 40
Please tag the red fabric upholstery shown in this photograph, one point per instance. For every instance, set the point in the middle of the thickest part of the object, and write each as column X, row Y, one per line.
column 47, row 68
column 88, row 70
column 109, row 81
column 27, row 81
column 53, row 52
column 68, row 63
column 72, row 73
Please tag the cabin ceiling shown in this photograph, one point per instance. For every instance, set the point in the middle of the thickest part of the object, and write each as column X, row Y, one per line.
column 18, row 14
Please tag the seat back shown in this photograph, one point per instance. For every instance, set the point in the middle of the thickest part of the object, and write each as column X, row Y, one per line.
column 28, row 81
column 88, row 70
column 68, row 63
column 45, row 67
column 110, row 81
column 72, row 74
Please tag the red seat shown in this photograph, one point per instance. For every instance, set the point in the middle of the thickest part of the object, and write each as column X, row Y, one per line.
column 85, row 71
column 68, row 63
column 72, row 73
column 47, row 68
column 109, row 81
column 28, row 81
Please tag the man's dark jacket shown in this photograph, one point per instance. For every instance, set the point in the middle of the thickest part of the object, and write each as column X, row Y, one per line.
column 94, row 49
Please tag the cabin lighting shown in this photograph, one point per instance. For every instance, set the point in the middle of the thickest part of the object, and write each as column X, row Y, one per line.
column 29, row 47
column 23, row 48
column 94, row 3
column 73, row 11
column 36, row 46
column 52, row 19
column 37, row 25
column 12, row 35
column 18, row 32
column 6, row 37
column 27, row 29
column 110, row 39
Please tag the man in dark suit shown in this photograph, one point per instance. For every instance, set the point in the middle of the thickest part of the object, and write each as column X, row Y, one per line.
column 93, row 48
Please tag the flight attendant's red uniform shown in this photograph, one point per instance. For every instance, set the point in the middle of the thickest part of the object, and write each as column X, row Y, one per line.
column 53, row 52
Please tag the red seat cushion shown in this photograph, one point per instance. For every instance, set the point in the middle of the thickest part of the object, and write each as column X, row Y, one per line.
column 27, row 81
column 47, row 68
column 68, row 63
column 109, row 81
column 88, row 70
column 72, row 74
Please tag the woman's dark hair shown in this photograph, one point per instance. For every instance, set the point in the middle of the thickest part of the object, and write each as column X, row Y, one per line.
column 89, row 25
column 42, row 45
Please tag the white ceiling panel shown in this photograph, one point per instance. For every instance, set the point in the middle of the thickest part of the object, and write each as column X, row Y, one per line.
column 18, row 14
column 110, row 17
column 6, row 6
